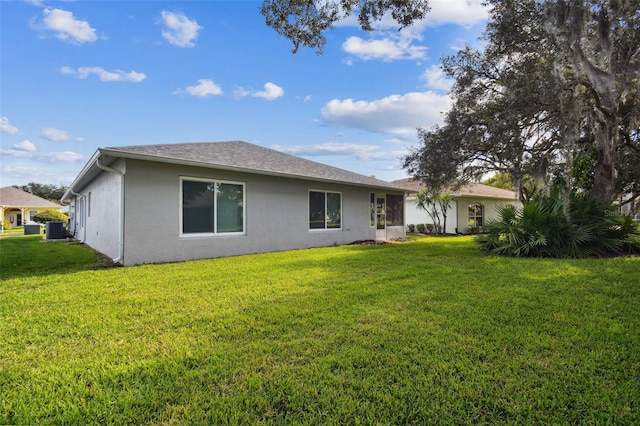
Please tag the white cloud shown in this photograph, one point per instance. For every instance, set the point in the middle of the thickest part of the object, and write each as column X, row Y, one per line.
column 67, row 27
column 387, row 49
column 104, row 75
column 361, row 152
column 55, row 134
column 179, row 30
column 391, row 44
column 271, row 91
column 460, row 12
column 203, row 89
column 398, row 115
column 436, row 79
column 7, row 128
column 25, row 145
column 50, row 157
column 65, row 156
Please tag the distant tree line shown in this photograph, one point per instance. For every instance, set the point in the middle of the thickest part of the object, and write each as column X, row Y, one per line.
column 49, row 192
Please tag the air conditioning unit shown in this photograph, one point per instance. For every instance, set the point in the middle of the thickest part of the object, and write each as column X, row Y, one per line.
column 55, row 230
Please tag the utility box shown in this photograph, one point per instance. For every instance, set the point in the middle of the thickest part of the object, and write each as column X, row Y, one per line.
column 32, row 229
column 55, row 230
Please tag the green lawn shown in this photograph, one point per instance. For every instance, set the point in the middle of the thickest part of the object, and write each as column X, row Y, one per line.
column 423, row 332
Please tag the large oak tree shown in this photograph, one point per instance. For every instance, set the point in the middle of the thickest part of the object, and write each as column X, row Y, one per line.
column 555, row 93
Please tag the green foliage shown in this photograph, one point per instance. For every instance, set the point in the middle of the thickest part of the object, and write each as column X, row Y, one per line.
column 541, row 229
column 427, row 332
column 49, row 192
column 304, row 22
column 500, row 180
column 411, row 228
column 50, row 215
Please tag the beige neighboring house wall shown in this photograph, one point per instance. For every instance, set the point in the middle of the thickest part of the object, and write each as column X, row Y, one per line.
column 458, row 220
column 17, row 207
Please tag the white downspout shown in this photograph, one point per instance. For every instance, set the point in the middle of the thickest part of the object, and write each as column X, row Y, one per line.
column 121, row 224
column 84, row 219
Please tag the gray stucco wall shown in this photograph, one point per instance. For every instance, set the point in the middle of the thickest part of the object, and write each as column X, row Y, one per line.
column 277, row 215
column 101, row 213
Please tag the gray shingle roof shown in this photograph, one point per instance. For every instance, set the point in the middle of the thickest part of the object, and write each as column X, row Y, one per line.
column 248, row 158
column 14, row 197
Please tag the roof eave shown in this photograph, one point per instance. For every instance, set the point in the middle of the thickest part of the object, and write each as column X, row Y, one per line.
column 66, row 197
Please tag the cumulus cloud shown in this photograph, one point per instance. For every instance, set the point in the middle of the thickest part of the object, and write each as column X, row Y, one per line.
column 6, row 127
column 104, row 75
column 359, row 151
column 205, row 88
column 179, row 30
column 387, row 49
column 271, row 91
column 398, row 115
column 25, row 145
column 436, row 79
column 55, row 134
column 66, row 27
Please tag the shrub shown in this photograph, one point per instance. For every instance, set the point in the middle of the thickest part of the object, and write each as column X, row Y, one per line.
column 412, row 228
column 420, row 227
column 50, row 215
column 429, row 227
column 541, row 229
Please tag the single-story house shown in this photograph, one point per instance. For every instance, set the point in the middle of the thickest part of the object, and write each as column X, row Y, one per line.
column 177, row 202
column 18, row 207
column 472, row 205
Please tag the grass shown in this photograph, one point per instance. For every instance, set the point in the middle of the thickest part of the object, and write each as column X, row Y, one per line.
column 430, row 331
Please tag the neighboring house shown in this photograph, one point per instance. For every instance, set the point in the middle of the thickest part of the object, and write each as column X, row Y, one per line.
column 472, row 205
column 176, row 202
column 18, row 207
column 630, row 208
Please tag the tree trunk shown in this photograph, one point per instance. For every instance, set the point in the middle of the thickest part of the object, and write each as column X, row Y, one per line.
column 590, row 56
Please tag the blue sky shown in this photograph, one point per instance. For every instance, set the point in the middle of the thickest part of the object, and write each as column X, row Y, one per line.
column 79, row 75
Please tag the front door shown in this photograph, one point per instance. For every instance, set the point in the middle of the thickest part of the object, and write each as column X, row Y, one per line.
column 381, row 217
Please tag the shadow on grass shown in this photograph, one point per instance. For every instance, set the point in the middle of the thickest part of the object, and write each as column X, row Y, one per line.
column 30, row 256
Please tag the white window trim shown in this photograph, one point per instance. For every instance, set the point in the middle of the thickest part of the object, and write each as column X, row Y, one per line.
column 325, row 229
column 215, row 212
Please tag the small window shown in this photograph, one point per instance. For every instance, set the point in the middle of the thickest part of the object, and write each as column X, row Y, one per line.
column 212, row 207
column 476, row 215
column 372, row 208
column 325, row 210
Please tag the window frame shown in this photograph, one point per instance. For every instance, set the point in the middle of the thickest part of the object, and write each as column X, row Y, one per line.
column 475, row 217
column 215, row 233
column 326, row 205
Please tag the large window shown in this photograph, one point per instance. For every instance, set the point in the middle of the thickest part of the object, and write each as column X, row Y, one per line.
column 325, row 210
column 476, row 215
column 395, row 210
column 212, row 207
